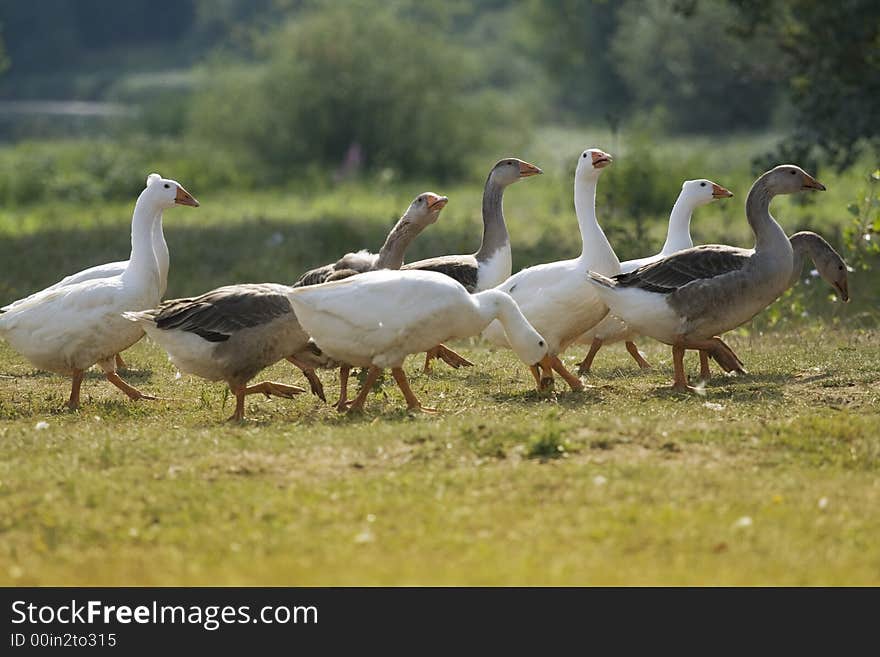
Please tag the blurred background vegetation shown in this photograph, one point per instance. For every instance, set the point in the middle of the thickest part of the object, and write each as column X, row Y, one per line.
column 322, row 119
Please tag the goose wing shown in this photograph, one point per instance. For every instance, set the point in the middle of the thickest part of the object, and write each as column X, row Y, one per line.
column 696, row 264
column 218, row 314
column 461, row 268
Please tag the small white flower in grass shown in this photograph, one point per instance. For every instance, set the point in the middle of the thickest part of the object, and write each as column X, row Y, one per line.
column 814, row 273
column 177, row 375
column 365, row 537
column 712, row 406
column 823, row 503
column 599, row 480
column 371, row 517
column 42, row 424
column 867, row 237
column 745, row 521
column 133, row 532
column 15, row 572
column 700, row 389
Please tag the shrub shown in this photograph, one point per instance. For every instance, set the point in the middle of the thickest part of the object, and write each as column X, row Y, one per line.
column 342, row 77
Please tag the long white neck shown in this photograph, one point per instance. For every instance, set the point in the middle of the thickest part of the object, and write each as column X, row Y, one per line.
column 678, row 236
column 163, row 258
column 596, row 251
column 495, row 304
column 142, row 265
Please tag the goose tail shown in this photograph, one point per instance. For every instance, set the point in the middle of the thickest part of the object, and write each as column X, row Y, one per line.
column 143, row 316
column 601, row 281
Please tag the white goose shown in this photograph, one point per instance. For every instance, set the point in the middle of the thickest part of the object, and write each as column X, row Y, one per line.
column 68, row 329
column 160, row 248
column 555, row 297
column 378, row 318
column 694, row 193
column 690, row 298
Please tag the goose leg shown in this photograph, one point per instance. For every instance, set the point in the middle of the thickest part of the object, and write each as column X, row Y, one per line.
column 412, row 402
column 73, row 402
column 358, row 404
column 270, row 388
column 447, row 355
column 543, row 373
column 720, row 352
column 238, row 415
column 680, row 382
column 573, row 382
column 705, row 372
column 585, row 365
column 637, row 355
column 308, row 371
column 451, row 357
column 730, row 357
column 132, row 392
column 342, row 404
column 120, row 364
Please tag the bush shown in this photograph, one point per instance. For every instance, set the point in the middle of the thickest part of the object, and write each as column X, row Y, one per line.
column 89, row 170
column 350, row 77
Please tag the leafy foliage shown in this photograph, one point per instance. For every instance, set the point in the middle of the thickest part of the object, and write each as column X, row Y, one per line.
column 339, row 82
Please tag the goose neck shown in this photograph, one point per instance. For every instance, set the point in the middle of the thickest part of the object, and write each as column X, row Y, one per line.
column 768, row 234
column 163, row 258
column 143, row 264
column 678, row 235
column 596, row 250
column 392, row 253
column 495, row 234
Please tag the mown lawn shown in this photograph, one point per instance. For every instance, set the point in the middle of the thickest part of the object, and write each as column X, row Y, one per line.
column 770, row 478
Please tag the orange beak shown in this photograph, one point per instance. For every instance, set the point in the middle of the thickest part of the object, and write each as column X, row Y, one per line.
column 812, row 183
column 436, row 202
column 601, row 159
column 526, row 170
column 183, row 197
column 720, row 192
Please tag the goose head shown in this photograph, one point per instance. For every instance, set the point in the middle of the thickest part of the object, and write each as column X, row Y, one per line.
column 790, row 178
column 702, row 191
column 425, row 209
column 591, row 162
column 167, row 193
column 510, row 169
column 833, row 270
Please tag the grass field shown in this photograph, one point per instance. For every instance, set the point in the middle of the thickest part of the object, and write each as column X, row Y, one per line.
column 770, row 478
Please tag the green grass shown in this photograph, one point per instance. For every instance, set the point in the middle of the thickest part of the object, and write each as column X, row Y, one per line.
column 624, row 483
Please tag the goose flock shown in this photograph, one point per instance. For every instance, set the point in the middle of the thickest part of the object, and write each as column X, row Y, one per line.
column 371, row 310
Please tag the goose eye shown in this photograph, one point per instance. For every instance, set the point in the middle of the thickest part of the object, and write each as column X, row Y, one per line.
column 839, row 267
column 540, row 343
column 584, row 155
column 702, row 184
column 791, row 172
column 167, row 186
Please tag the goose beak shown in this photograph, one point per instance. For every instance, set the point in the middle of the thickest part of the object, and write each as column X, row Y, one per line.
column 812, row 183
column 526, row 170
column 436, row 202
column 601, row 159
column 720, row 192
column 842, row 291
column 183, row 197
